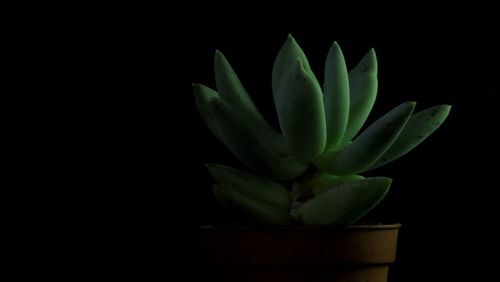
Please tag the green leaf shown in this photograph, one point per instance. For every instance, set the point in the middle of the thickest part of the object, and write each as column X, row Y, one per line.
column 203, row 95
column 420, row 126
column 310, row 186
column 255, row 210
column 363, row 86
column 253, row 186
column 326, row 182
column 370, row 145
column 247, row 145
column 229, row 86
column 233, row 93
column 336, row 96
column 344, row 204
column 301, row 114
column 285, row 62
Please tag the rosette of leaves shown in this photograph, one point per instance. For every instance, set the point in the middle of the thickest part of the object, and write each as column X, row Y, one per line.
column 319, row 147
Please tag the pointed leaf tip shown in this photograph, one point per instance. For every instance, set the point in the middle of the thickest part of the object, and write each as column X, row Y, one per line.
column 368, row 63
column 335, row 50
column 210, row 168
column 218, row 54
column 219, row 57
column 202, row 90
column 209, row 165
column 290, row 41
column 335, row 46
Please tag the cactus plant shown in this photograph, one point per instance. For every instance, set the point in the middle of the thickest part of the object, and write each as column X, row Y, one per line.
column 309, row 173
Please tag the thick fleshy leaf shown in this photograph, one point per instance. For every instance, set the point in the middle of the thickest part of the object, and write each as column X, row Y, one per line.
column 344, row 204
column 255, row 210
column 301, row 114
column 312, row 185
column 203, row 95
column 363, row 86
column 370, row 145
column 246, row 144
column 233, row 93
column 418, row 128
column 229, row 86
column 285, row 62
column 253, row 186
column 327, row 182
column 336, row 96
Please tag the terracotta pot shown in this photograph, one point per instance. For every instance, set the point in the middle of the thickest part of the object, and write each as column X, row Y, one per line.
column 293, row 254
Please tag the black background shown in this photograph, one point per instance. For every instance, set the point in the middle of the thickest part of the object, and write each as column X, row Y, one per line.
column 151, row 144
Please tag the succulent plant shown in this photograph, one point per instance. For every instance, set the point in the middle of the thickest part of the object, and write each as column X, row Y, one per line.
column 309, row 171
